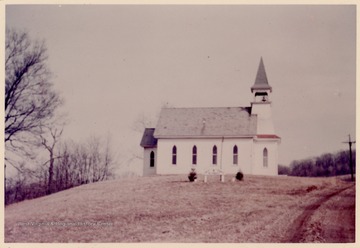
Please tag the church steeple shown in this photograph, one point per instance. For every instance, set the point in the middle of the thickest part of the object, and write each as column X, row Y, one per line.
column 261, row 105
column 261, row 82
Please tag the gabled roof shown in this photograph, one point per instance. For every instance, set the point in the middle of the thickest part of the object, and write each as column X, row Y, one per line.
column 206, row 122
column 261, row 82
column 148, row 140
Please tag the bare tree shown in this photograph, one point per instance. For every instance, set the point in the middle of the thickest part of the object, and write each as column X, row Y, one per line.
column 81, row 159
column 141, row 122
column 65, row 170
column 100, row 160
column 49, row 144
column 94, row 158
column 30, row 100
column 108, row 160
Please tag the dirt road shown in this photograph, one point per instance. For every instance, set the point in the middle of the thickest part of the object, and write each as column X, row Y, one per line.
column 329, row 219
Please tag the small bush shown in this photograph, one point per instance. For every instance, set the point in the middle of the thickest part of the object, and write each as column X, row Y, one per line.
column 239, row 176
column 192, row 175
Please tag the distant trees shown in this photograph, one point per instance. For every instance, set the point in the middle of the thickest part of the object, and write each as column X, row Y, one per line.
column 84, row 163
column 75, row 164
column 323, row 166
column 283, row 170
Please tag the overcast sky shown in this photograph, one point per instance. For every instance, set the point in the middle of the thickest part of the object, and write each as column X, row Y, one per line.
column 114, row 63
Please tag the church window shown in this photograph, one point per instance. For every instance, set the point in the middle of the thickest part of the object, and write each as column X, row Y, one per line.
column 214, row 157
column 235, row 155
column 174, row 154
column 152, row 159
column 194, row 155
column 265, row 157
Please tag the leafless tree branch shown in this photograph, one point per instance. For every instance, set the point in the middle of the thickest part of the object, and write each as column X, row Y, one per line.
column 30, row 100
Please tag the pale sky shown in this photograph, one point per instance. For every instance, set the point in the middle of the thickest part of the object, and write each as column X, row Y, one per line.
column 114, row 63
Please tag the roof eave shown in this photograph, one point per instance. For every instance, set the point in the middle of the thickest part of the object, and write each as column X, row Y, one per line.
column 267, row 138
column 261, row 88
column 149, row 146
column 203, row 136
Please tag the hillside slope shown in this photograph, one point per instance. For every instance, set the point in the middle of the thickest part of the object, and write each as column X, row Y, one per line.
column 171, row 209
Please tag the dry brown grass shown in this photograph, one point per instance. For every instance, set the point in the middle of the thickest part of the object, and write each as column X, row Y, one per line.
column 171, row 209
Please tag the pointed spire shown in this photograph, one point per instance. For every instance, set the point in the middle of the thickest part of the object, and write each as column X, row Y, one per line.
column 261, row 82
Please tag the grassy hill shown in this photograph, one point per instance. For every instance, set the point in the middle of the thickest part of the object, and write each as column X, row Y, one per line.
column 171, row 209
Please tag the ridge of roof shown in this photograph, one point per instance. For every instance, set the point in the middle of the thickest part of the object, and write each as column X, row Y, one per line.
column 207, row 107
column 261, row 81
column 247, row 108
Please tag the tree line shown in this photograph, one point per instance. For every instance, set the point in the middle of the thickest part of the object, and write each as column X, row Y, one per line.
column 34, row 125
column 74, row 164
column 326, row 165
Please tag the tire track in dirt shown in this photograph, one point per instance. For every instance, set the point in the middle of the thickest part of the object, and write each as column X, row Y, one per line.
column 297, row 230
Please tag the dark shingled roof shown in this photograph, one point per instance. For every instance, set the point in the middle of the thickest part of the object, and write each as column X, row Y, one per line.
column 261, row 82
column 148, row 140
column 206, row 122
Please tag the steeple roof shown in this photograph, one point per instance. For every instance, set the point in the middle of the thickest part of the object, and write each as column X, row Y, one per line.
column 261, row 82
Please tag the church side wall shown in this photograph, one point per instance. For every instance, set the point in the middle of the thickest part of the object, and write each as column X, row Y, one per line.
column 244, row 156
column 204, row 155
column 272, row 154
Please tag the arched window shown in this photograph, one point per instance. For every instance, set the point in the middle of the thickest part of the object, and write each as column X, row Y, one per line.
column 152, row 159
column 174, row 153
column 214, row 157
column 194, row 155
column 265, row 157
column 235, row 155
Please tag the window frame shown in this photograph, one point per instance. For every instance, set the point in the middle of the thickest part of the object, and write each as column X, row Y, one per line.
column 214, row 155
column 152, row 159
column 265, row 157
column 235, row 155
column 174, row 155
column 194, row 155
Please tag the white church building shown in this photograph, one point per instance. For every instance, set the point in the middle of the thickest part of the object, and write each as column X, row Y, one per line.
column 228, row 139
